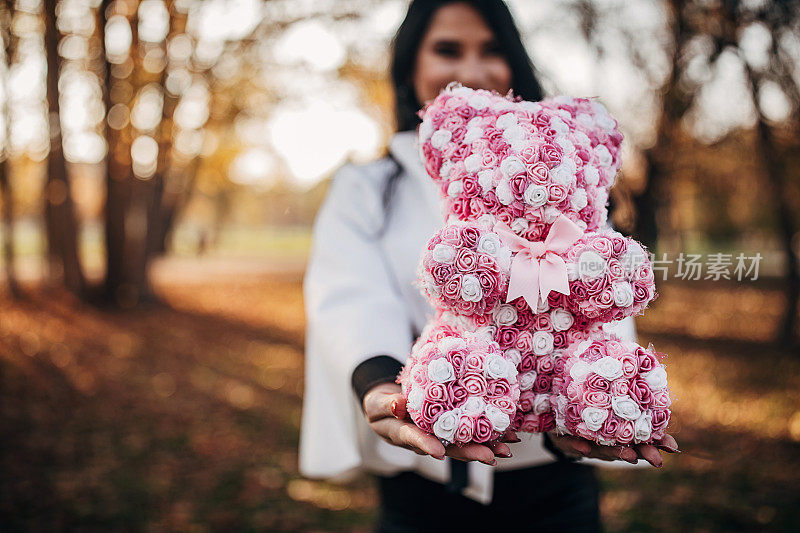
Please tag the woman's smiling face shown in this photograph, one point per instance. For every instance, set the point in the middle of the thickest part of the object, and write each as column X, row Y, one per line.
column 459, row 46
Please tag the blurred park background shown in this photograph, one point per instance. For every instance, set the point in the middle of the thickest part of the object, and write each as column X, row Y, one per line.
column 162, row 165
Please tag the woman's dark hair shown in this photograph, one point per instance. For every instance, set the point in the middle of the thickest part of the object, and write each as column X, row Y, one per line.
column 409, row 36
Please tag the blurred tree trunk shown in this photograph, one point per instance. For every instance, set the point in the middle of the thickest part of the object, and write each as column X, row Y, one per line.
column 775, row 172
column 6, row 191
column 675, row 102
column 60, row 220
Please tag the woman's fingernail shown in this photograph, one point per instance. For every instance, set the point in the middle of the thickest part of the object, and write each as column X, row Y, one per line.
column 493, row 462
column 505, row 455
column 516, row 439
column 394, row 408
column 669, row 449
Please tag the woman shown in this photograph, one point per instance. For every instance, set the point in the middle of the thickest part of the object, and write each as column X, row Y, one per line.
column 364, row 313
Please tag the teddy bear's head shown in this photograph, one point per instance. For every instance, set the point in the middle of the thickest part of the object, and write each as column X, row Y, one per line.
column 522, row 163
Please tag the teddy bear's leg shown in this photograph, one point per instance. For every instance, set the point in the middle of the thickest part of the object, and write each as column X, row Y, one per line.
column 459, row 386
column 611, row 391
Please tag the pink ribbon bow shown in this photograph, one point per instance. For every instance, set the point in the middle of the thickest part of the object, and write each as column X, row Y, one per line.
column 537, row 268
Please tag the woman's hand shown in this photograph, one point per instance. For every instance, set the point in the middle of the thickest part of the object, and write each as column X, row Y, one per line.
column 579, row 446
column 385, row 409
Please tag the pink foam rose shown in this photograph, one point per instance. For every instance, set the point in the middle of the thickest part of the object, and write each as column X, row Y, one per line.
column 543, row 383
column 524, row 342
column 661, row 399
column 506, row 336
column 436, row 392
column 593, row 398
column 431, row 410
column 543, row 322
column 466, row 260
column 473, row 363
column 545, row 364
column 574, row 391
column 456, row 393
column 640, row 392
column 526, row 400
column 573, row 414
column 527, row 363
column 610, row 428
column 474, row 383
column 597, row 382
column 470, row 236
column 465, row 429
column 498, row 387
column 482, row 431
column 647, row 360
column 582, row 430
column 505, row 404
column 452, row 287
column 660, row 419
column 602, row 245
column 630, row 365
column 625, row 432
column 547, row 422
column 620, row 387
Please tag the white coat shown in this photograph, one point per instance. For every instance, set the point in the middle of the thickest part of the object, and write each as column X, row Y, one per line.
column 361, row 301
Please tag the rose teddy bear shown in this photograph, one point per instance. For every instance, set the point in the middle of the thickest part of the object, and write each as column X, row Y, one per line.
column 525, row 277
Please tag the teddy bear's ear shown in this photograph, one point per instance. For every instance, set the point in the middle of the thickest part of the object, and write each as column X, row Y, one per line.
column 597, row 133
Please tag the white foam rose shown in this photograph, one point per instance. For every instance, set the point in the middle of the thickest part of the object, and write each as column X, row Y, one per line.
column 625, row 407
column 443, row 253
column 582, row 347
column 478, row 101
column 471, row 290
column 446, row 425
column 445, row 169
column 591, row 264
column 511, row 166
column 506, row 121
column 591, row 175
column 451, row 344
column 455, row 188
column 497, row 367
column 585, row 119
column 474, row 406
column 565, row 144
column 559, row 125
column 519, row 225
column 505, row 315
column 594, row 417
column 633, row 257
column 486, row 222
column 473, row 134
column 603, row 155
column 542, row 306
column 514, row 134
column 503, row 192
column 551, row 213
column 541, row 403
column 542, row 342
column 499, row 420
column 579, row 370
column 535, row 195
column 441, row 370
column 579, row 199
column 425, row 130
column 486, row 333
column 472, row 163
column 605, row 121
column 489, row 243
column 581, row 138
column 564, row 174
column 561, row 319
column 656, row 378
column 623, row 293
column 533, row 107
column 440, row 138
column 485, row 179
column 416, row 398
column 643, row 427
column 514, row 356
column 608, row 367
column 526, row 380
